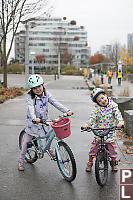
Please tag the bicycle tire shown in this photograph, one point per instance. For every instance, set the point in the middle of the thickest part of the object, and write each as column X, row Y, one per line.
column 67, row 164
column 101, row 168
column 31, row 155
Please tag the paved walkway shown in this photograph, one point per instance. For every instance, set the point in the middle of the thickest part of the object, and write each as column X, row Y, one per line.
column 18, row 80
column 42, row 180
column 117, row 90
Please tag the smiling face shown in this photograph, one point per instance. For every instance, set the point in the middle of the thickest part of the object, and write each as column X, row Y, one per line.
column 102, row 99
column 38, row 90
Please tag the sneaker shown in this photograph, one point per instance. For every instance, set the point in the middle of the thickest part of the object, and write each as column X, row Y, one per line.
column 52, row 153
column 21, row 166
column 89, row 166
column 114, row 168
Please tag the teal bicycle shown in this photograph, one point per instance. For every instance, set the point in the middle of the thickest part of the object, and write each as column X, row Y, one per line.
column 64, row 157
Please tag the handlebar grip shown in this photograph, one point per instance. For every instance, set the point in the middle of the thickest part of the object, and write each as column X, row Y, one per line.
column 66, row 115
column 33, row 122
column 43, row 121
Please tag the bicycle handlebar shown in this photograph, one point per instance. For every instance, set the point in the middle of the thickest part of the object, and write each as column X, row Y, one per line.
column 101, row 131
column 45, row 122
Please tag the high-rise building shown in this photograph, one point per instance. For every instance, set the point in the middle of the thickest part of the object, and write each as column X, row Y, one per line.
column 49, row 38
column 130, row 44
column 106, row 50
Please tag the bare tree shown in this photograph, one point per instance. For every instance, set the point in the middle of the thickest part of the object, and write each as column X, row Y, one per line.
column 60, row 45
column 40, row 59
column 12, row 13
column 66, row 57
column 115, row 53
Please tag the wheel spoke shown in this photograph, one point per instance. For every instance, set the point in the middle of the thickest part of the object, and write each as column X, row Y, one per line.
column 31, row 155
column 67, row 163
column 101, row 169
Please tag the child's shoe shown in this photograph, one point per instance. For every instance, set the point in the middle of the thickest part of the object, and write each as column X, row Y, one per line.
column 89, row 166
column 21, row 166
column 113, row 164
column 52, row 153
column 114, row 168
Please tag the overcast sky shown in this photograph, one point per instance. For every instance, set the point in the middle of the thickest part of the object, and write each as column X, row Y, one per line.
column 106, row 21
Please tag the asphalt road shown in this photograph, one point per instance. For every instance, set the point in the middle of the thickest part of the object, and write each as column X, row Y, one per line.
column 42, row 180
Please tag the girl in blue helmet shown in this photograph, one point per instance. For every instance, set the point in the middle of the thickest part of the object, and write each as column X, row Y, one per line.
column 38, row 99
column 104, row 115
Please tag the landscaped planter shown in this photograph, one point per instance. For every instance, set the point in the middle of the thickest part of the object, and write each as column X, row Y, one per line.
column 124, row 103
column 128, row 116
column 130, row 77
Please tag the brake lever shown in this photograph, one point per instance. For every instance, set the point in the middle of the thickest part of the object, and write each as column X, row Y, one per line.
column 43, row 121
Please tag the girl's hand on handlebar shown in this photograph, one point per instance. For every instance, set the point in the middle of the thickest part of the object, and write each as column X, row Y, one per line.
column 37, row 120
column 85, row 126
column 69, row 113
column 120, row 125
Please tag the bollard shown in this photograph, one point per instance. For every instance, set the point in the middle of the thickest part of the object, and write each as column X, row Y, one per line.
column 101, row 78
column 55, row 76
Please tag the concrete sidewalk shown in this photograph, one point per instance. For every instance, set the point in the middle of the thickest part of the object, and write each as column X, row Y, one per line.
column 42, row 180
column 18, row 80
column 118, row 90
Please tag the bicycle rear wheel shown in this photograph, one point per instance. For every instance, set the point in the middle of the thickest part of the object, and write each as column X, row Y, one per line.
column 66, row 164
column 101, row 168
column 31, row 155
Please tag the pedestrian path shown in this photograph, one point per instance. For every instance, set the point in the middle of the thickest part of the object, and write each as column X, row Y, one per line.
column 119, row 90
column 126, row 86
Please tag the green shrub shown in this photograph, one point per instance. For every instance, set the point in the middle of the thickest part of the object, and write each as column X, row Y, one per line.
column 14, row 68
column 72, row 72
column 130, row 69
column 65, row 69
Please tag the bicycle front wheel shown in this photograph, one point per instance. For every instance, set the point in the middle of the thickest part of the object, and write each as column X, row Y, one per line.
column 101, row 168
column 66, row 162
column 31, row 155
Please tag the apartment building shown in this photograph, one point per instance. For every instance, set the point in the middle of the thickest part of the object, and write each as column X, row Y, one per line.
column 49, row 38
column 106, row 50
column 130, row 44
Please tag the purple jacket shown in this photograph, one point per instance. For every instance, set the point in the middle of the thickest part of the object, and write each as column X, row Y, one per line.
column 38, row 108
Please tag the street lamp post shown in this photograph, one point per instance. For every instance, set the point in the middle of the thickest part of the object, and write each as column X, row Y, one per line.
column 32, row 53
column 26, row 54
column 58, row 63
column 27, row 48
column 59, row 51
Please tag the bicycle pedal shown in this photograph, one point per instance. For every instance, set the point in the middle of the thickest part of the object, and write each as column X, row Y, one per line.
column 29, row 144
column 116, row 162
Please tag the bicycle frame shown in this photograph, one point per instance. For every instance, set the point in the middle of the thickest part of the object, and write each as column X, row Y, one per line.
column 51, row 135
column 102, row 147
column 102, row 155
column 62, row 153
